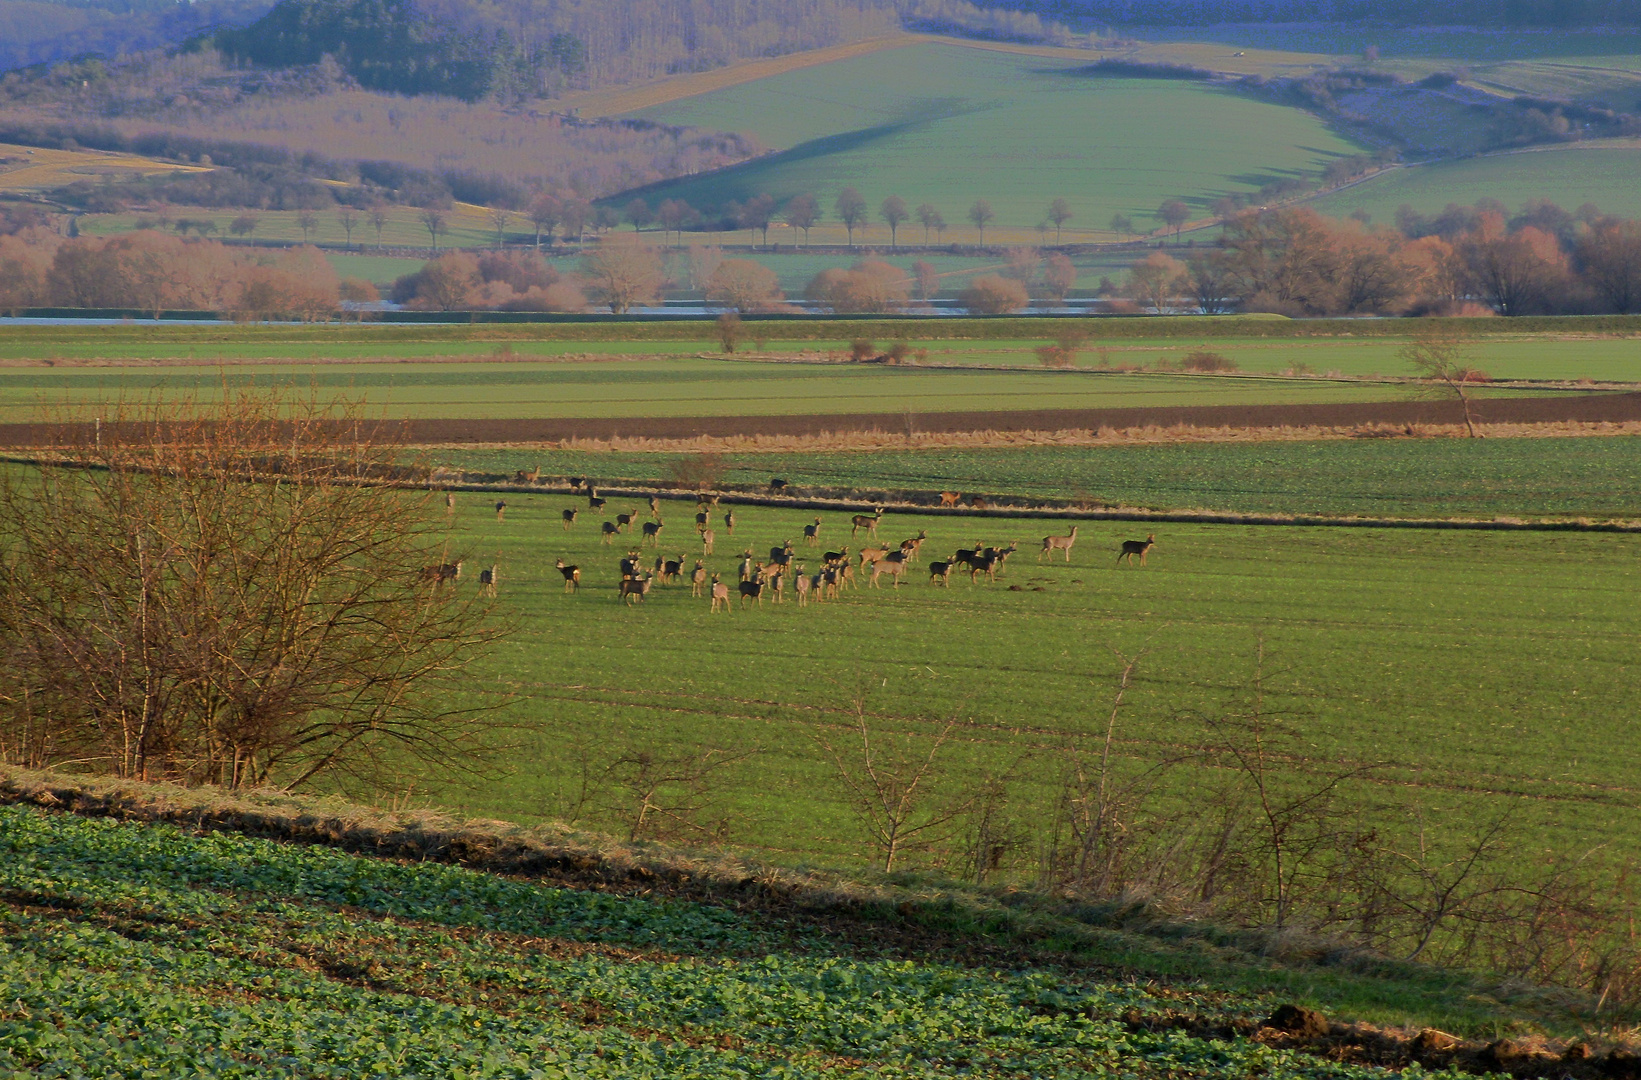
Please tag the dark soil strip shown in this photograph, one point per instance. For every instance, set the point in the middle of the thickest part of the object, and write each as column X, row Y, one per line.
column 1571, row 407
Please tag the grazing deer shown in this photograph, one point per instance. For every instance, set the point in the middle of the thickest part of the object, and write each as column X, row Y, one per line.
column 867, row 522
column 909, row 547
column 569, row 517
column 441, row 573
column 978, row 502
column 700, row 520
column 671, row 569
column 501, row 508
column 655, row 507
column 1051, row 544
column 609, row 531
column 941, row 572
column 595, row 502
column 572, row 576
column 652, row 532
column 729, row 522
column 832, row 558
column 893, row 563
column 698, row 579
column 577, row 483
column 1142, row 548
column 811, row 533
column 951, row 498
column 801, row 584
column 776, row 485
column 487, row 581
column 634, row 587
column 707, row 537
column 753, row 590
column 450, row 502
column 623, row 522
column 720, row 594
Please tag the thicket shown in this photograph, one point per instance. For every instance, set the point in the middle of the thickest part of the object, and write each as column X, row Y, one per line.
column 1478, row 13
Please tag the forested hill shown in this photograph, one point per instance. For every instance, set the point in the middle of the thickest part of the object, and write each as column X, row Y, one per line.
column 521, row 48
column 1478, row 13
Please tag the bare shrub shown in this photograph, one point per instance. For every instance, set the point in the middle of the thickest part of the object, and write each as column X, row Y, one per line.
column 697, row 471
column 729, row 331
column 990, row 294
column 1203, row 360
column 672, row 796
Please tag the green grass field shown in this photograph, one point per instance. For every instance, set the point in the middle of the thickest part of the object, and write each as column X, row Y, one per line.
column 1599, row 173
column 1483, row 673
column 1475, row 478
column 910, row 125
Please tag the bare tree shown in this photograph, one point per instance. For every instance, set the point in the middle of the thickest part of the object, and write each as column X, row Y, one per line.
column 671, row 796
column 802, row 212
column 433, row 218
column 893, row 211
column 851, row 210
column 545, row 213
column 1174, row 213
column 243, row 225
column 1441, row 360
column 639, row 214
column 930, row 219
column 225, row 594
column 623, row 274
column 744, row 285
column 756, row 215
column 307, row 221
column 674, row 214
column 499, row 218
column 1059, row 212
column 346, row 218
column 981, row 214
column 891, row 785
column 378, row 219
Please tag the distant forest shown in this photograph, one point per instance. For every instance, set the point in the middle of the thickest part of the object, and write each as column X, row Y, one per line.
column 1480, row 13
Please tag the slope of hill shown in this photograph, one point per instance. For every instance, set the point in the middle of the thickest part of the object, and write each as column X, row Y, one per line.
column 143, row 946
column 44, row 31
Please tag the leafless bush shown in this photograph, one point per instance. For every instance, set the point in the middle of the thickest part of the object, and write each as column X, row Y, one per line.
column 1205, row 361
column 729, row 331
column 672, row 796
column 697, row 471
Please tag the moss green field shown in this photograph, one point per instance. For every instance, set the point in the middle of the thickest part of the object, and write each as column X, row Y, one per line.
column 1482, row 673
column 908, row 125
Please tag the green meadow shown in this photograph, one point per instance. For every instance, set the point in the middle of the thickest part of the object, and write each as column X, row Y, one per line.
column 1478, row 674
column 947, row 125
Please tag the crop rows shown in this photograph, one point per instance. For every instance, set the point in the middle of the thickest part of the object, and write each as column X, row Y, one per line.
column 144, row 950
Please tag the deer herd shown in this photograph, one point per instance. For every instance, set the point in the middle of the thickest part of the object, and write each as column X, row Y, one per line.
column 819, row 578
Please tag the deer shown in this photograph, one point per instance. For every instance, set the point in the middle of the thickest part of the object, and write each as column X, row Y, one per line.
column 572, row 576
column 909, row 547
column 487, row 581
column 1142, row 548
column 777, row 583
column 632, row 587
column 801, row 584
column 811, row 534
column 984, row 563
column 978, row 502
column 522, row 477
column 720, row 594
column 1051, row 544
column 846, row 576
column 707, row 537
column 967, row 556
column 609, row 531
column 777, row 486
column 700, row 520
column 577, row 483
column 671, row 570
column 951, row 498
column 629, row 565
column 942, row 572
column 698, row 579
column 746, row 565
column 893, row 563
column 780, row 556
column 449, row 502
column 832, row 558
column 867, row 522
column 871, row 555
column 753, row 590
column 652, row 532
column 441, row 573
column 501, row 508
column 729, row 522
column 594, row 500
column 655, row 506
column 569, row 517
column 623, row 522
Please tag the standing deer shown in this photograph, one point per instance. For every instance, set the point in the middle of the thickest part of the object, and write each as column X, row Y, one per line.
column 801, row 584
column 623, row 522
column 634, row 587
column 780, row 556
column 871, row 555
column 951, row 498
column 487, row 581
column 655, row 507
column 609, row 529
column 811, row 533
column 700, row 520
column 629, row 565
column 1142, row 548
column 594, row 500
column 941, row 572
column 698, row 579
column 577, row 483
column 569, row 517
column 652, row 532
column 450, row 502
column 720, row 594
column 671, row 570
column 909, row 547
column 572, row 576
column 707, row 537
column 867, row 522
column 894, row 564
column 441, row 573
column 501, row 508
column 522, row 477
column 746, row 565
column 777, row 584
column 753, row 590
column 777, row 486
column 979, row 502
column 729, row 522
column 1051, row 544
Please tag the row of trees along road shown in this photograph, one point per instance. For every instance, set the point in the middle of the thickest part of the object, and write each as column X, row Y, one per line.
column 215, row 593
